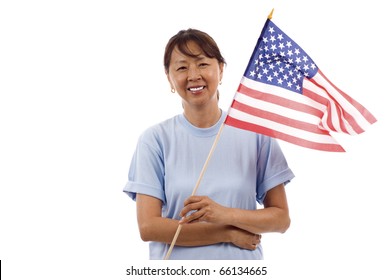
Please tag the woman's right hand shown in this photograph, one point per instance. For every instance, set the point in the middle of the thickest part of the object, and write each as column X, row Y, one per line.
column 244, row 239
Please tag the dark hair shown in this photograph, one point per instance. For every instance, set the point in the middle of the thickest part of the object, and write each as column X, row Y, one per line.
column 202, row 39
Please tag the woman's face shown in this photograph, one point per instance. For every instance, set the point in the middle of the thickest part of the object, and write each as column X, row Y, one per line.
column 195, row 78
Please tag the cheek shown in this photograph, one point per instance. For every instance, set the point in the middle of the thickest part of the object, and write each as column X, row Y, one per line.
column 178, row 80
column 213, row 79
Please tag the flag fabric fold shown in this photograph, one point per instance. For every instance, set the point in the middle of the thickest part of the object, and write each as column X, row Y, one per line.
column 283, row 94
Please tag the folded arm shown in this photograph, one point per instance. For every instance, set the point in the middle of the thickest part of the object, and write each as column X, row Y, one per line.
column 274, row 217
column 154, row 227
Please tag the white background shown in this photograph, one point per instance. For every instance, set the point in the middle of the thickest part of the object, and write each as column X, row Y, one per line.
column 80, row 80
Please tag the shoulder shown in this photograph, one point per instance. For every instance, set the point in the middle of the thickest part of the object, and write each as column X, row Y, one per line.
column 156, row 132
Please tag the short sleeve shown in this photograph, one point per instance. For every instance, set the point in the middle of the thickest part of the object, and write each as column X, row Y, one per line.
column 273, row 168
column 146, row 172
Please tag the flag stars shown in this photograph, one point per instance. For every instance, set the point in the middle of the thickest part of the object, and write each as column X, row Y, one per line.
column 280, row 61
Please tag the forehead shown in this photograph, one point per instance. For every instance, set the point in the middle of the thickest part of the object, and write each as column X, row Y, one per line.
column 190, row 51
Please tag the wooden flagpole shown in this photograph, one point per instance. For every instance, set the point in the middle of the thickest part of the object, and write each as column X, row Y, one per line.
column 196, row 187
column 271, row 14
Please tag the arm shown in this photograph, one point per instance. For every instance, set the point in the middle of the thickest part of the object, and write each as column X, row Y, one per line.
column 274, row 217
column 153, row 227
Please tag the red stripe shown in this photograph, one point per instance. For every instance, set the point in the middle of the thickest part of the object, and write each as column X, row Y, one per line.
column 285, row 102
column 286, row 137
column 326, row 102
column 314, row 96
column 366, row 114
column 341, row 113
column 278, row 118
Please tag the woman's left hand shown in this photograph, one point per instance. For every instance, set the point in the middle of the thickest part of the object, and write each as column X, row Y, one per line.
column 202, row 208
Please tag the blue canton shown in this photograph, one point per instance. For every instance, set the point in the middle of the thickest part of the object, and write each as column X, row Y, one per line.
column 278, row 60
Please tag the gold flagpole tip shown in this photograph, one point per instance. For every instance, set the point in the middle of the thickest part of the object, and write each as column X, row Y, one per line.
column 271, row 14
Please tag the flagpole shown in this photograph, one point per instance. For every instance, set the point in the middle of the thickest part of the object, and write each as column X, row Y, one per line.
column 271, row 14
column 196, row 187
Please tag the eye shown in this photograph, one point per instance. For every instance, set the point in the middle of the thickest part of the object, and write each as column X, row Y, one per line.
column 182, row 68
column 203, row 64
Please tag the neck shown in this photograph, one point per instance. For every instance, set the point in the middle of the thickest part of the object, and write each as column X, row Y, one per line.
column 203, row 118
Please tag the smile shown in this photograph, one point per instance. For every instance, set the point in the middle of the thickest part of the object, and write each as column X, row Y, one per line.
column 196, row 88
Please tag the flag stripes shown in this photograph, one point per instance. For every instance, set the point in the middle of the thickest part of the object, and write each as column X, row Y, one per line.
column 284, row 94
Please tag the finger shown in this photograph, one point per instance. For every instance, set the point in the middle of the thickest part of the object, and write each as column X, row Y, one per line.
column 192, row 217
column 186, row 211
column 192, row 199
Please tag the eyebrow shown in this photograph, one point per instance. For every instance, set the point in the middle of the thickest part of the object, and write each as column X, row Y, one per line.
column 197, row 58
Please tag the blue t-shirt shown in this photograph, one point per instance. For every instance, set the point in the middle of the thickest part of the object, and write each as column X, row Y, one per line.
column 168, row 161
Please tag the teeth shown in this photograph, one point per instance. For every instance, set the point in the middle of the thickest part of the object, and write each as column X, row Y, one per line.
column 195, row 89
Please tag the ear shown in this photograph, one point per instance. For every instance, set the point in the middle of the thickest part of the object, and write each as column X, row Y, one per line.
column 169, row 81
column 221, row 66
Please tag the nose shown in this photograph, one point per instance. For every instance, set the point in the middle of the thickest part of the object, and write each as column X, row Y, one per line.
column 194, row 74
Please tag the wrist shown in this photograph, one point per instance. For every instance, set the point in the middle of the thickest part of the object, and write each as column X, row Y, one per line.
column 228, row 234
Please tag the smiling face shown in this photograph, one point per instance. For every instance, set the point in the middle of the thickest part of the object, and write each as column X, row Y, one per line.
column 195, row 77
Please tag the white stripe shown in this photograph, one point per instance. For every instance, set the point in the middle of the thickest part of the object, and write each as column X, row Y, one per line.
column 317, row 138
column 334, row 109
column 284, row 93
column 277, row 109
column 345, row 104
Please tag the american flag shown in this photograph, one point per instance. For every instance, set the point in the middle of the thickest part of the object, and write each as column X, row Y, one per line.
column 283, row 94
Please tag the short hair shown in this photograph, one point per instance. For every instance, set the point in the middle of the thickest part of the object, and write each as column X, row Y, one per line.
column 202, row 39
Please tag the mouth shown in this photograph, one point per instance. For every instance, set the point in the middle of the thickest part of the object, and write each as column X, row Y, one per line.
column 195, row 89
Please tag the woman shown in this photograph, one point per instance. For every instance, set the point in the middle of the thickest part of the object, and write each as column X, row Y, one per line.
column 222, row 221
